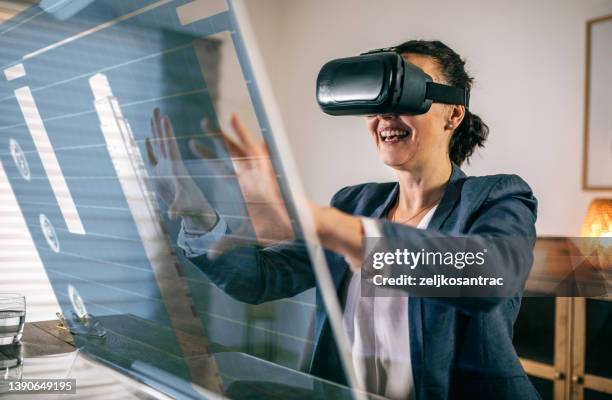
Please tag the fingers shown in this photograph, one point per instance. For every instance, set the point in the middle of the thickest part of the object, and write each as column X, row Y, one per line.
column 201, row 151
column 150, row 152
column 171, row 145
column 244, row 135
column 235, row 149
column 207, row 126
column 157, row 126
column 246, row 145
column 153, row 147
column 164, row 138
column 252, row 147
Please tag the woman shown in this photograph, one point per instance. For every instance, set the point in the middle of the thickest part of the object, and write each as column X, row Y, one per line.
column 423, row 348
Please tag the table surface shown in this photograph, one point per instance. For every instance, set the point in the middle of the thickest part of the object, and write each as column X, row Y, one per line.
column 50, row 351
column 46, row 338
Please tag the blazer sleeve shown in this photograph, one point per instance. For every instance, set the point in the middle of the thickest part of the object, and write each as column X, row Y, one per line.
column 504, row 224
column 254, row 275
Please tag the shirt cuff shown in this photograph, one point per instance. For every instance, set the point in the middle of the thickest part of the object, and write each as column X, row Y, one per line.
column 371, row 228
column 197, row 243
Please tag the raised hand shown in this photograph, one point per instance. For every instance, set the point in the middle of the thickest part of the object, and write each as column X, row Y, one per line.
column 172, row 181
column 258, row 183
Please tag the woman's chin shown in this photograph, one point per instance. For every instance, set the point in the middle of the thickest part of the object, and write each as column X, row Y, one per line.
column 395, row 162
column 395, row 159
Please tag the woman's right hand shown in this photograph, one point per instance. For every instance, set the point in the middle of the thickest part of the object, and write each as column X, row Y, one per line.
column 172, row 181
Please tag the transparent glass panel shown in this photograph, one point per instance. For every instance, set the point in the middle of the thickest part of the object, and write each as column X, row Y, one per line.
column 145, row 197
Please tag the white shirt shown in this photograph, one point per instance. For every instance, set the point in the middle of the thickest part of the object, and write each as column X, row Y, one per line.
column 378, row 333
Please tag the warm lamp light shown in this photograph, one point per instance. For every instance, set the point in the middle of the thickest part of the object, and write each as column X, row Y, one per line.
column 598, row 222
column 598, row 225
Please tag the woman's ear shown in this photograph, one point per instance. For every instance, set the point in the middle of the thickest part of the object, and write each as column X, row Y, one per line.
column 456, row 115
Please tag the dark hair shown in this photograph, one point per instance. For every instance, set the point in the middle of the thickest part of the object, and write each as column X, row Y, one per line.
column 472, row 132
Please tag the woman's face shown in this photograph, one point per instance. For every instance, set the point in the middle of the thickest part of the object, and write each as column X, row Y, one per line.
column 406, row 142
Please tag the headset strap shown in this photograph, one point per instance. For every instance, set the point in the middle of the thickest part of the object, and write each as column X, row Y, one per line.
column 437, row 92
column 440, row 93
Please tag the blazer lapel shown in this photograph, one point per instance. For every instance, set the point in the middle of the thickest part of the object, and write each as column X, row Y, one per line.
column 340, row 273
column 382, row 210
column 449, row 199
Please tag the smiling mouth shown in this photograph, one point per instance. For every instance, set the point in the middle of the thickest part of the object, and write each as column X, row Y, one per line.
column 393, row 135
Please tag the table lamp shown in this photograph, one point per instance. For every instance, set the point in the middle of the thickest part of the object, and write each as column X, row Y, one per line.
column 598, row 225
column 598, row 221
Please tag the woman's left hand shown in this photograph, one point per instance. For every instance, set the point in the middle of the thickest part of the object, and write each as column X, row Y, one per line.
column 337, row 231
column 258, row 183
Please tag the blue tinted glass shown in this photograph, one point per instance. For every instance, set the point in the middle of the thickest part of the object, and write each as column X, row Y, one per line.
column 118, row 196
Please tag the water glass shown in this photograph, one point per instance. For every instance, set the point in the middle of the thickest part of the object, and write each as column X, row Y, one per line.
column 12, row 318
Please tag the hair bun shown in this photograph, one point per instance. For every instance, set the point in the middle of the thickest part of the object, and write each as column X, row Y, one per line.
column 472, row 132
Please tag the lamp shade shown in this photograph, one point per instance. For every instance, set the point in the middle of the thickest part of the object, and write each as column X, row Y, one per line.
column 598, row 222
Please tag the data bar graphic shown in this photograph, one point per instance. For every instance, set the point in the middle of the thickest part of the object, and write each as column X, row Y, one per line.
column 37, row 129
column 14, row 72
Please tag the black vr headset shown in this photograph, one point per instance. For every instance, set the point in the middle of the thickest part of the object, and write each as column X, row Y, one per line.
column 381, row 82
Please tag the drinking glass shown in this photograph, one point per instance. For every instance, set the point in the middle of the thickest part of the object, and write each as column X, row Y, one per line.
column 12, row 318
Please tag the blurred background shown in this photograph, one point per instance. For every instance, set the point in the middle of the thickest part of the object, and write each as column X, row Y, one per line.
column 527, row 58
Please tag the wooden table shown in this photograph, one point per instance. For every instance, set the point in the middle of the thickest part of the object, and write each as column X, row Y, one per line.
column 46, row 338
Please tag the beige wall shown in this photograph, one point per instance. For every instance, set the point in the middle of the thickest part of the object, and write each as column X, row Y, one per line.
column 528, row 60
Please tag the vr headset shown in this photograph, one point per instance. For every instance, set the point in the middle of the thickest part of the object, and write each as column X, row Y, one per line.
column 381, row 82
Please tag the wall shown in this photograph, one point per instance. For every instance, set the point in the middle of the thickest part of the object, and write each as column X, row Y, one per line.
column 528, row 60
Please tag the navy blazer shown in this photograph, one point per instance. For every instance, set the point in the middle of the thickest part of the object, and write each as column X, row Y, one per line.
column 460, row 348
